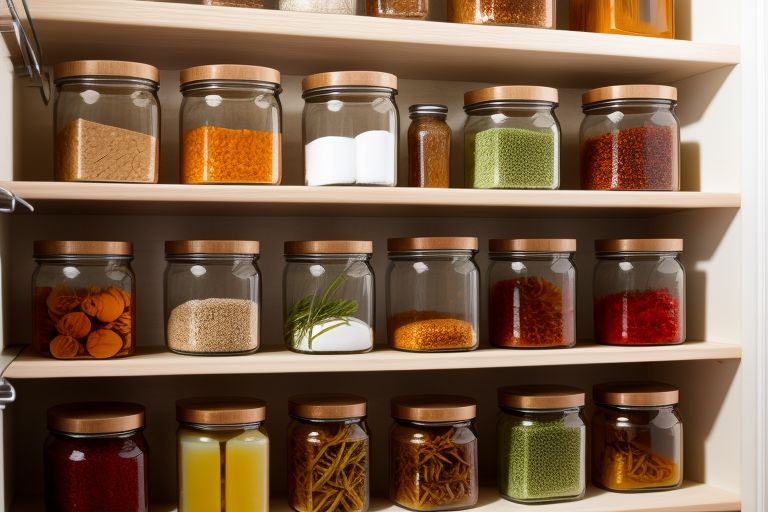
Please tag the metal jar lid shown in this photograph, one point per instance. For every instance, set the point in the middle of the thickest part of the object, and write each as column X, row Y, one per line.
column 105, row 68
column 434, row 408
column 96, row 417
column 432, row 243
column 521, row 93
column 307, row 247
column 636, row 394
column 332, row 406
column 176, row 247
column 427, row 109
column 229, row 72
column 81, row 248
column 221, row 411
column 349, row 79
column 640, row 245
column 629, row 92
column 532, row 245
column 540, row 397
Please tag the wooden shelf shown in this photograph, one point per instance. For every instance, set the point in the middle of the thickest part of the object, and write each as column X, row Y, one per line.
column 169, row 35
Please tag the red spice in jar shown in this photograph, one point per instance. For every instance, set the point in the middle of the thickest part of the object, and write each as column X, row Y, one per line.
column 650, row 317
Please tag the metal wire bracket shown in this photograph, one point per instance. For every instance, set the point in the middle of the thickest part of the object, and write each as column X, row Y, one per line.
column 28, row 56
column 12, row 200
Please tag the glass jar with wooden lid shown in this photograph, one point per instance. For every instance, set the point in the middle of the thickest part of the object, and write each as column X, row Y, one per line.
column 429, row 147
column 406, row 9
column 521, row 13
column 255, row 4
column 652, row 18
column 320, row 6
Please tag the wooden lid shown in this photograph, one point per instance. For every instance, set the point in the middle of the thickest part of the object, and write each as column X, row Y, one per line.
column 96, row 417
column 540, row 397
column 640, row 245
column 230, row 72
column 329, row 247
column 636, row 394
column 235, row 410
column 212, row 247
column 85, row 68
column 331, row 406
column 533, row 245
column 349, row 78
column 81, row 248
column 626, row 92
column 511, row 93
column 434, row 408
column 432, row 243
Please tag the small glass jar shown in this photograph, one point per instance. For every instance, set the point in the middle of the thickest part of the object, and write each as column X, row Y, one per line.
column 212, row 296
column 637, row 437
column 512, row 138
column 96, row 458
column 350, row 128
column 223, row 452
column 429, row 147
column 541, row 444
column 106, row 122
column 328, row 453
column 83, row 299
column 639, row 292
column 408, row 9
column 654, row 18
column 256, row 4
column 433, row 290
column 532, row 293
column 630, row 139
column 321, row 6
column 230, row 125
column 521, row 13
column 433, row 452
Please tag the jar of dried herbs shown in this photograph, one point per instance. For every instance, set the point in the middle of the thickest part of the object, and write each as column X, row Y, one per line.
column 429, row 147
column 541, row 444
column 328, row 453
column 408, row 9
column 433, row 452
column 637, row 437
column 522, row 13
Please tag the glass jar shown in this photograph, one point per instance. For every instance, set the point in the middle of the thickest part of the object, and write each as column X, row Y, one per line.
column 522, row 13
column 321, row 6
column 212, row 296
column 257, row 4
column 96, row 458
column 83, row 299
column 433, row 289
column 335, row 427
column 106, row 122
column 408, row 9
column 541, row 444
column 328, row 297
column 654, row 18
column 512, row 138
column 630, row 139
column 350, row 128
column 639, row 292
column 637, row 437
column 433, row 452
column 223, row 452
column 230, row 125
column 532, row 293
column 429, row 147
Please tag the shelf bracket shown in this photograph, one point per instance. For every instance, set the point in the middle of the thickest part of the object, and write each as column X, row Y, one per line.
column 13, row 200
column 7, row 391
column 17, row 27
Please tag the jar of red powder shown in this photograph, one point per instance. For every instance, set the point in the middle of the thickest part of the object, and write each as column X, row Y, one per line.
column 630, row 138
column 532, row 293
column 639, row 292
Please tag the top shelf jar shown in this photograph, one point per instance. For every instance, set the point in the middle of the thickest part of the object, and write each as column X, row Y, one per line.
column 653, row 18
column 408, row 9
column 525, row 13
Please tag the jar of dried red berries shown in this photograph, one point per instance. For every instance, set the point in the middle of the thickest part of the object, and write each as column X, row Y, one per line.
column 639, row 292
column 630, row 138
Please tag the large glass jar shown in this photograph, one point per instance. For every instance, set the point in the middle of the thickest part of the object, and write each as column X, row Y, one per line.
column 532, row 293
column 637, row 437
column 223, row 452
column 655, row 18
column 512, row 138
column 523, row 13
column 83, row 299
column 350, row 128
column 106, row 121
column 639, row 292
column 541, row 444
column 230, row 125
column 212, row 296
column 321, row 6
column 328, row 453
column 433, row 289
column 328, row 291
column 630, row 138
column 96, row 458
column 408, row 9
column 433, row 452
column 429, row 147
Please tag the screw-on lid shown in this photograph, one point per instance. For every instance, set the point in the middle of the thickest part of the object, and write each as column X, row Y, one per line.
column 221, row 411
column 533, row 245
column 212, row 247
column 332, row 406
column 235, row 72
column 432, row 243
column 105, row 68
column 636, row 394
column 421, row 109
column 349, row 79
column 630, row 92
column 328, row 247
column 511, row 93
column 434, row 408
column 540, row 397
column 640, row 245
column 81, row 248
column 96, row 417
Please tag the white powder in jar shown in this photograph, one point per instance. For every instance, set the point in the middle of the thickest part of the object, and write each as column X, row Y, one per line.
column 330, row 161
column 324, row 6
column 357, row 336
column 375, row 158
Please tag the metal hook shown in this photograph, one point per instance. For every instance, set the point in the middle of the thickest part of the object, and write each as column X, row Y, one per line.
column 12, row 200
column 30, row 56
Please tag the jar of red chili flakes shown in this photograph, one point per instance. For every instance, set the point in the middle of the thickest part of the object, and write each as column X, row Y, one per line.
column 630, row 138
column 639, row 292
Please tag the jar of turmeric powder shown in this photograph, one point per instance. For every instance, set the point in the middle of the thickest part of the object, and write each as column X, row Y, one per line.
column 230, row 125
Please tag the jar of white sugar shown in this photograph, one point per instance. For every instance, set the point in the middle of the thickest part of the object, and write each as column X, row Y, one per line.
column 212, row 296
column 350, row 126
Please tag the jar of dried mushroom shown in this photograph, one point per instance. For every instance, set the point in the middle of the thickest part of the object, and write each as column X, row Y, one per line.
column 637, row 437
column 433, row 452
column 408, row 9
column 328, row 453
column 433, row 288
column 321, row 6
column 106, row 121
column 429, row 147
column 231, row 125
column 83, row 299
column 212, row 296
column 522, row 13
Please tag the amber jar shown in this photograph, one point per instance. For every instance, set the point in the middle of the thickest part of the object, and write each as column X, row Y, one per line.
column 653, row 18
column 429, row 147
column 408, row 9
column 524, row 13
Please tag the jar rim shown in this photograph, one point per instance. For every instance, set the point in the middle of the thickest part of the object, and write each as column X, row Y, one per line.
column 636, row 394
column 621, row 245
column 96, row 417
column 105, row 68
column 434, row 408
column 229, row 411
column 533, row 245
column 432, row 243
column 540, row 397
column 322, row 247
column 333, row 79
column 46, row 248
column 217, row 247
column 229, row 72
column 511, row 93
column 327, row 406
column 630, row 92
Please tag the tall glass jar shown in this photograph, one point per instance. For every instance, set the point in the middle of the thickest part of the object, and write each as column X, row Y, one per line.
column 96, row 458
column 637, row 437
column 106, row 121
column 83, row 299
column 328, row 453
column 512, row 138
column 654, row 18
column 328, row 291
column 321, row 6
column 541, row 444
column 212, row 296
column 532, row 293
column 639, row 292
column 433, row 452
column 630, row 138
column 408, row 9
column 230, row 125
column 223, row 455
column 433, row 289
column 350, row 128
column 523, row 13
column 429, row 147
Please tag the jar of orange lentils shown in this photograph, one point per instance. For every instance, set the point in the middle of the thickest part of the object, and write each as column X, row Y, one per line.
column 231, row 125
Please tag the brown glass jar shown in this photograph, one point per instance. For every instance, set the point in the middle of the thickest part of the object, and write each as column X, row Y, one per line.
column 408, row 9
column 523, row 13
column 429, row 147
